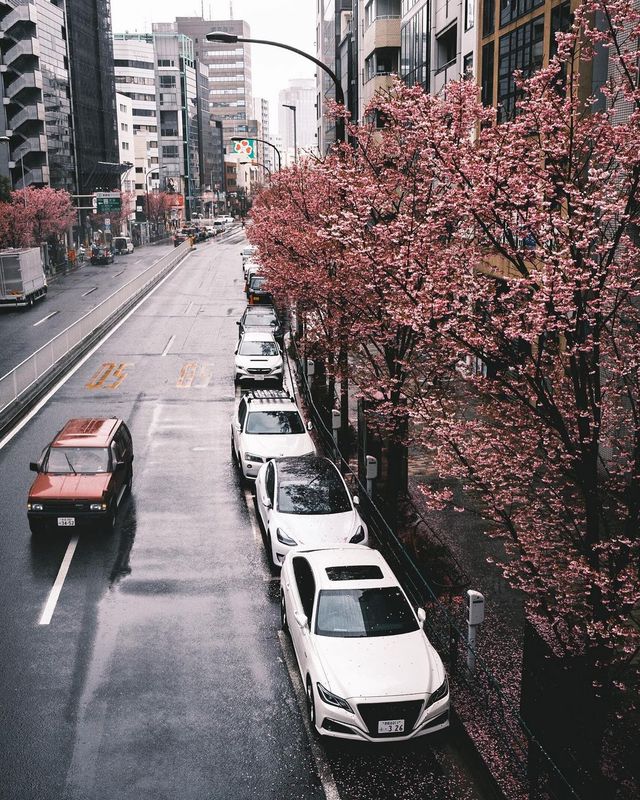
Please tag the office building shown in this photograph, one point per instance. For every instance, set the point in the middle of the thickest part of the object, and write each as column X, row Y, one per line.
column 266, row 154
column 328, row 36
column 135, row 77
column 301, row 94
column 93, row 95
column 229, row 72
column 178, row 135
column 126, row 147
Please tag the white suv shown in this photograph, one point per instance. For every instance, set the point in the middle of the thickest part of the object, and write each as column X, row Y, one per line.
column 267, row 424
column 258, row 359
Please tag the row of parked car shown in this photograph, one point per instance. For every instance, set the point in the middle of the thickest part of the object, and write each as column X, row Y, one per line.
column 200, row 232
column 368, row 669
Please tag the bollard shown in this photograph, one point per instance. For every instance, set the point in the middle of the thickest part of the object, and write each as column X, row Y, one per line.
column 475, row 618
column 371, row 473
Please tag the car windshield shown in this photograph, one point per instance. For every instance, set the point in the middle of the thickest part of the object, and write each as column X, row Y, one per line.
column 260, row 320
column 323, row 494
column 68, row 460
column 258, row 349
column 269, row 422
column 354, row 613
column 257, row 282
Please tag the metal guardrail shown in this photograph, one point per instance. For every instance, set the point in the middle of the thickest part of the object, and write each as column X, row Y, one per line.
column 18, row 385
column 479, row 701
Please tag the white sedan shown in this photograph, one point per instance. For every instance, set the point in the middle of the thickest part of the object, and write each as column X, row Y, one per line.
column 368, row 669
column 305, row 501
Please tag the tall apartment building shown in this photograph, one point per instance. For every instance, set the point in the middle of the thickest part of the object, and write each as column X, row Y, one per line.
column 135, row 77
column 177, row 93
column 378, row 47
column 266, row 154
column 126, row 148
column 229, row 70
column 301, row 94
column 93, row 94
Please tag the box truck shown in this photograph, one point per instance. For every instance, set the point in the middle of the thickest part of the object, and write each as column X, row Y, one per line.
column 22, row 278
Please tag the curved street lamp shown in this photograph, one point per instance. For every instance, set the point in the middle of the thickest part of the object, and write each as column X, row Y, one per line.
column 232, row 38
column 263, row 141
column 295, row 130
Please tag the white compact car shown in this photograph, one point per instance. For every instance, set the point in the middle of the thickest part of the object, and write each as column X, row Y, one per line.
column 248, row 253
column 266, row 424
column 258, row 359
column 369, row 671
column 306, row 501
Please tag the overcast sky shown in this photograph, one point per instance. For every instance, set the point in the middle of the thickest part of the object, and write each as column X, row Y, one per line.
column 288, row 21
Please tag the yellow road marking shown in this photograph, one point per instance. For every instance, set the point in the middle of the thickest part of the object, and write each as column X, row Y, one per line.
column 108, row 376
column 187, row 375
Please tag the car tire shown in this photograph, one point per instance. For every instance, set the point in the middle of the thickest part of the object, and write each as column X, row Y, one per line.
column 311, row 704
column 128, row 485
column 284, row 624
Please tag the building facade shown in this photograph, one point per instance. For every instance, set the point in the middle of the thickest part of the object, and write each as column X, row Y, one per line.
column 378, row 48
column 301, row 95
column 93, row 94
column 126, row 147
column 328, row 37
column 229, row 71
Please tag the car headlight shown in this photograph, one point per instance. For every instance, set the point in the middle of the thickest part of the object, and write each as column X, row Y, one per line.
column 333, row 699
column 98, row 507
column 252, row 457
column 285, row 538
column 35, row 507
column 358, row 536
column 440, row 692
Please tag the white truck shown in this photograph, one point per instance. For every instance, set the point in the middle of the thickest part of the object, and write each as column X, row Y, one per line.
column 22, row 278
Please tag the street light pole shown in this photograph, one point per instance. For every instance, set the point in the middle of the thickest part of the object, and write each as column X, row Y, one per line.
column 262, row 141
column 295, row 130
column 146, row 192
column 7, row 140
column 232, row 38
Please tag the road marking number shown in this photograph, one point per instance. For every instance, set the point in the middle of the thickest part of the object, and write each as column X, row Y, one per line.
column 108, row 376
column 193, row 376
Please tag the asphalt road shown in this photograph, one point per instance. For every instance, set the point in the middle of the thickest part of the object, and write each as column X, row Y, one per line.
column 162, row 672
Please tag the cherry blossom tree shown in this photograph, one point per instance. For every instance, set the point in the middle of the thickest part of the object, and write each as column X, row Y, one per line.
column 35, row 215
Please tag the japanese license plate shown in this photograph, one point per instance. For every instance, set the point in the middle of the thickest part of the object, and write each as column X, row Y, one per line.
column 66, row 522
column 391, row 726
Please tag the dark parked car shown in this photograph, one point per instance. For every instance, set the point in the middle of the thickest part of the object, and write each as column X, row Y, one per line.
column 258, row 294
column 261, row 318
column 179, row 238
column 101, row 254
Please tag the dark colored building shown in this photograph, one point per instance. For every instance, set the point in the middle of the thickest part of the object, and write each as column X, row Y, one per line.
column 93, row 94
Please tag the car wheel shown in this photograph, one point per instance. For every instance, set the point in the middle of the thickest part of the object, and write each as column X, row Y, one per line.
column 284, row 624
column 129, row 483
column 311, row 704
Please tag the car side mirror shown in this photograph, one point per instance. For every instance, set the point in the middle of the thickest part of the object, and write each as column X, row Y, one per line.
column 422, row 616
column 33, row 466
column 268, row 503
column 237, row 322
column 237, row 426
column 119, row 464
column 301, row 619
column 309, row 425
column 356, row 500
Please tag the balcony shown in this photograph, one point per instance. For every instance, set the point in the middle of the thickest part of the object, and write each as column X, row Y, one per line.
column 39, row 176
column 383, row 32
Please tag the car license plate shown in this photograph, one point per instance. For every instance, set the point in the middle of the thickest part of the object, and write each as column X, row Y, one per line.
column 391, row 726
column 66, row 522
column 258, row 377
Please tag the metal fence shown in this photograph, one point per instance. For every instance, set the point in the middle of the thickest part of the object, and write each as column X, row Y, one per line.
column 18, row 384
column 519, row 764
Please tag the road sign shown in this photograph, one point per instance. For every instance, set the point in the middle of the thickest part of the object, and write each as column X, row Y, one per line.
column 107, row 201
column 107, row 223
column 246, row 148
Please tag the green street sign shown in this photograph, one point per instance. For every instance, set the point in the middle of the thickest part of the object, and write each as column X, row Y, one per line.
column 105, row 204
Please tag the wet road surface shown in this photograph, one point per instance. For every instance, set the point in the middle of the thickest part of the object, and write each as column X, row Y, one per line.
column 163, row 673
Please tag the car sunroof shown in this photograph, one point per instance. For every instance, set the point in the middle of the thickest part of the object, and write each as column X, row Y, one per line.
column 355, row 572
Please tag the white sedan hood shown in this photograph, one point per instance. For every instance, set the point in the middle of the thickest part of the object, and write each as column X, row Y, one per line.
column 276, row 446
column 320, row 529
column 379, row 666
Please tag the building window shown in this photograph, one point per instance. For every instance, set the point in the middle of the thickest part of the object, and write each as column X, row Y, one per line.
column 560, row 23
column 488, row 61
column 467, row 66
column 383, row 61
column 488, row 17
column 446, row 47
column 521, row 49
column 511, row 10
column 469, row 14
column 169, row 151
column 165, row 62
column 125, row 145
